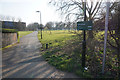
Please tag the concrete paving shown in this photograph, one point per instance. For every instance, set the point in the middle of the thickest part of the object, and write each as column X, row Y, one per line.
column 25, row 61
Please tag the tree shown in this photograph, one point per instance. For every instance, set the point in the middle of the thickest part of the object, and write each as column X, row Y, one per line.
column 33, row 26
column 49, row 26
column 2, row 17
column 74, row 9
column 68, row 25
column 13, row 19
column 59, row 25
column 114, row 31
column 21, row 26
column 56, row 25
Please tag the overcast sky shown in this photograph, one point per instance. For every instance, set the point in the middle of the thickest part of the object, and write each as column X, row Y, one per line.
column 26, row 10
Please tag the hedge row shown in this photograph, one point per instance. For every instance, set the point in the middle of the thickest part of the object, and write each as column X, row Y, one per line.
column 9, row 30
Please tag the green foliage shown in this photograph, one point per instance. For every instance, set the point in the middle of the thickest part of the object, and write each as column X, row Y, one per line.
column 66, row 61
column 65, row 50
column 9, row 30
column 61, row 63
column 79, row 72
column 100, row 36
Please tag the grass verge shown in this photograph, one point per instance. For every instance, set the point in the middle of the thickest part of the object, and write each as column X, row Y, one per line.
column 64, row 51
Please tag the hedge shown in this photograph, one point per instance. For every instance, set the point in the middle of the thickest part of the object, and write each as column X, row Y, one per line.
column 9, row 30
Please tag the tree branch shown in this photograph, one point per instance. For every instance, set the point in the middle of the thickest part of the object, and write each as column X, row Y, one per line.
column 97, row 9
column 111, row 44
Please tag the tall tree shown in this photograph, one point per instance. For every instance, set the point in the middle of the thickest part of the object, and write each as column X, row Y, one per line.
column 74, row 9
column 13, row 19
column 2, row 17
column 33, row 26
column 113, row 27
column 114, row 31
column 49, row 26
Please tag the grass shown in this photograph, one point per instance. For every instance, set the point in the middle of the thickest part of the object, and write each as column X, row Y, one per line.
column 64, row 51
column 9, row 30
column 21, row 34
column 55, row 38
column 8, row 46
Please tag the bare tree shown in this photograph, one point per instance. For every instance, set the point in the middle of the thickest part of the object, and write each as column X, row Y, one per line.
column 19, row 19
column 2, row 17
column 114, row 31
column 74, row 9
column 13, row 19
column 8, row 18
column 49, row 25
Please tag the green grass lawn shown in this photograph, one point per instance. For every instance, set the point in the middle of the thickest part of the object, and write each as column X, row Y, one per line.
column 65, row 53
column 64, row 50
column 55, row 38
column 23, row 33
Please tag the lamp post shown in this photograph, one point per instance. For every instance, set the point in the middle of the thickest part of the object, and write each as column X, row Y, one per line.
column 105, row 38
column 40, row 23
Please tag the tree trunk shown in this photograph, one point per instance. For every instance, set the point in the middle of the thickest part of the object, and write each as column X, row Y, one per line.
column 91, row 45
column 50, row 32
column 90, row 41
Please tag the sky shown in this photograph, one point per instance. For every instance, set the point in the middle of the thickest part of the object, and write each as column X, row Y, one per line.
column 26, row 10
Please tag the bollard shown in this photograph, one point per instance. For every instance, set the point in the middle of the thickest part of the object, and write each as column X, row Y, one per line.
column 46, row 46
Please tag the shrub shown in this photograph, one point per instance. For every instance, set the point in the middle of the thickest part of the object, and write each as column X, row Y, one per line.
column 9, row 30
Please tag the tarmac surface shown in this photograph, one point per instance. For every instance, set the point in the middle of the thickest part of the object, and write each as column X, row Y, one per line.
column 25, row 61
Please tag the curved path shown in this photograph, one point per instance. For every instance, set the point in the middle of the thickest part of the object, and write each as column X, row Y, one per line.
column 25, row 61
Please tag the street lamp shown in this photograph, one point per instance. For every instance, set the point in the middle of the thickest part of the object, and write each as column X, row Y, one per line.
column 40, row 23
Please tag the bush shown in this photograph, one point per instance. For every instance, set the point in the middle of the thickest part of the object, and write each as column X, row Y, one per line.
column 9, row 30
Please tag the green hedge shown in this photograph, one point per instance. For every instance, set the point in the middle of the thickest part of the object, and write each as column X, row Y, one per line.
column 9, row 30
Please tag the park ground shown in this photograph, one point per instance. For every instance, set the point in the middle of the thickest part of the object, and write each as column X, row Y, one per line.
column 65, row 53
column 25, row 60
column 62, row 59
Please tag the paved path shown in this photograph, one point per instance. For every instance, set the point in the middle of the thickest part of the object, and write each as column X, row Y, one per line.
column 25, row 61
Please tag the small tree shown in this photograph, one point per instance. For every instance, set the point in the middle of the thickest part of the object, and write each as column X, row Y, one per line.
column 49, row 26
column 114, row 31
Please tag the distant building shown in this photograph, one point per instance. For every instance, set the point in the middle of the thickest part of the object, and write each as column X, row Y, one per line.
column 14, row 25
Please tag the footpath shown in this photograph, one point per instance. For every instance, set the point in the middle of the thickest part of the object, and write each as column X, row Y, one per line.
column 25, row 61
